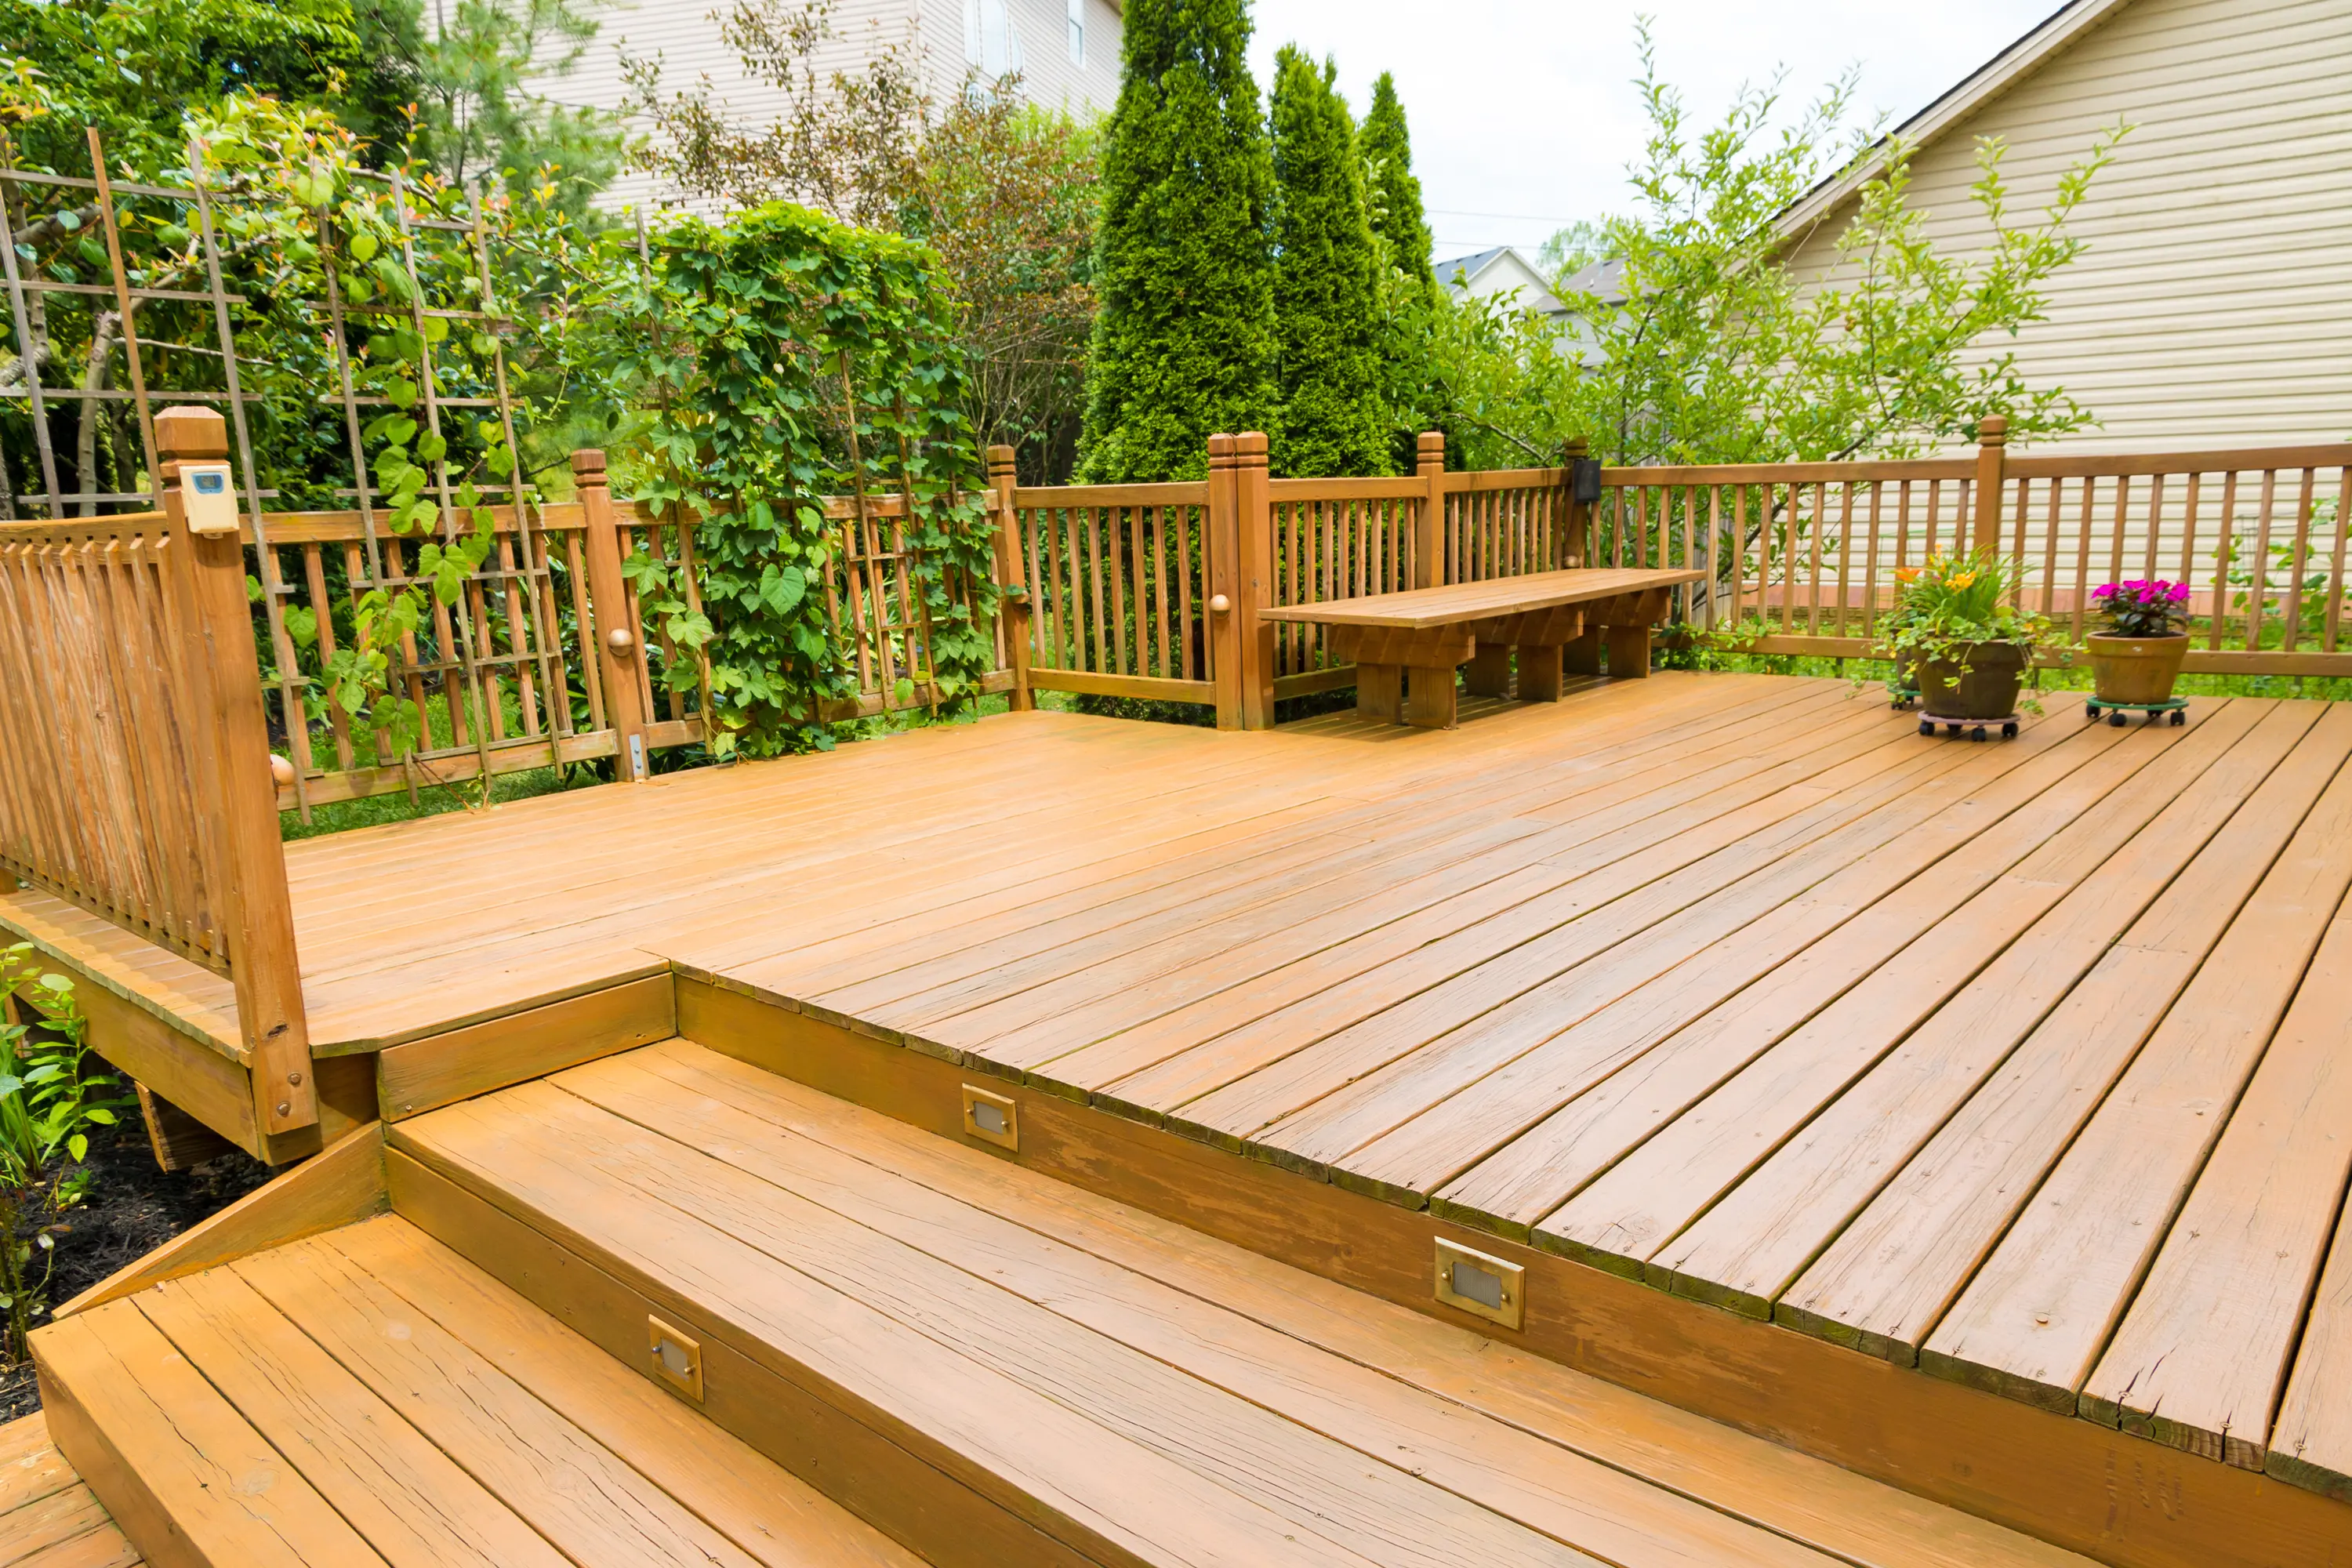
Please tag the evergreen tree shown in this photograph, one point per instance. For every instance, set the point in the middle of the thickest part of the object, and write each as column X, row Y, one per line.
column 1392, row 190
column 1184, row 344
column 1333, row 419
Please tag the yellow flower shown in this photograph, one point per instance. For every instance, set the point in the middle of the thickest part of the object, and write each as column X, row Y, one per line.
column 1963, row 580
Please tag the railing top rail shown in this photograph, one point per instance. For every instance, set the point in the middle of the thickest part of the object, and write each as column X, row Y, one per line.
column 74, row 530
column 1789, row 473
column 1185, row 492
column 2227, row 459
column 1384, row 486
column 1508, row 480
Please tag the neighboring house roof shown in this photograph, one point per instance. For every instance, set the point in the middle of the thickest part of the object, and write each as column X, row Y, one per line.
column 1987, row 82
column 1500, row 270
column 1604, row 279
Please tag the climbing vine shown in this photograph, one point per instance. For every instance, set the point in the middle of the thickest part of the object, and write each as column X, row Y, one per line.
column 783, row 358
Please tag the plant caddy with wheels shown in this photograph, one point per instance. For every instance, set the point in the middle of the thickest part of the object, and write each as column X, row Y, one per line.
column 2136, row 661
column 1956, row 631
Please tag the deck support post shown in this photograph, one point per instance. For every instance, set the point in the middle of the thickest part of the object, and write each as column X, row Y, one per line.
column 1582, row 656
column 1993, row 442
column 619, row 660
column 237, row 796
column 1013, row 606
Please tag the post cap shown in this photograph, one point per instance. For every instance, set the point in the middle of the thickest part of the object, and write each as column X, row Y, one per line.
column 1430, row 441
column 1993, row 430
column 1249, row 448
column 999, row 459
column 588, row 461
column 185, row 431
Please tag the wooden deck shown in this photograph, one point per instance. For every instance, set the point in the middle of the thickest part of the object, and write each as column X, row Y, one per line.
column 2006, row 1069
column 49, row 1517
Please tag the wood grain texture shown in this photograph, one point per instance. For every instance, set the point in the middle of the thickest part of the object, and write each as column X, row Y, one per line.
column 442, row 1068
column 339, row 1187
column 1991, row 1457
column 48, row 1516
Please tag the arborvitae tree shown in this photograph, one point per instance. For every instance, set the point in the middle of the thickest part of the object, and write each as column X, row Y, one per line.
column 1325, row 283
column 1185, row 344
column 1391, row 190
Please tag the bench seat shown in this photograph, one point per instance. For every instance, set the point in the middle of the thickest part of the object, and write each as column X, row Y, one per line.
column 1554, row 624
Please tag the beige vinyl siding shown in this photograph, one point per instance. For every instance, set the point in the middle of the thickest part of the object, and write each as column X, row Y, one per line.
column 2214, row 305
column 685, row 34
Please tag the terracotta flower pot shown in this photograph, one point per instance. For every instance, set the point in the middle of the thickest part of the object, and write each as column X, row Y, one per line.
column 2131, row 670
column 1980, row 685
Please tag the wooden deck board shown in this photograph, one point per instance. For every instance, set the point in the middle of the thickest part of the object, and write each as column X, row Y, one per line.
column 1734, row 984
column 49, row 1517
column 1360, row 1427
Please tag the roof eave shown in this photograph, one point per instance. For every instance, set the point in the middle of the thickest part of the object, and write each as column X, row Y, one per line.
column 1989, row 81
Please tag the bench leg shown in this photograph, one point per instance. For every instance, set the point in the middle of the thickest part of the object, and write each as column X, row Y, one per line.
column 1540, row 673
column 1379, row 692
column 1629, row 652
column 1429, row 702
column 1488, row 673
column 1582, row 655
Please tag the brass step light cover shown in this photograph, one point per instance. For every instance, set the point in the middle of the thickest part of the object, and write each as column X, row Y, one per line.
column 1476, row 1282
column 677, row 1358
column 992, row 1117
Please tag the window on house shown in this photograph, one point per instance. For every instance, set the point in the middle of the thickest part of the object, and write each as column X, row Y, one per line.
column 1078, row 32
column 989, row 41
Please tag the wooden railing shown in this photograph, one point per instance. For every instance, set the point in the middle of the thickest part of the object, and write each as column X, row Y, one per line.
column 135, row 769
column 1803, row 558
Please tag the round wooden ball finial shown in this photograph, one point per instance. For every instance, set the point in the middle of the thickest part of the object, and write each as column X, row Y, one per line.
column 1219, row 604
column 622, row 641
column 282, row 771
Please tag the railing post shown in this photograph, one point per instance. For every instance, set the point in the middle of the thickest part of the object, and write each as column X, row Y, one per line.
column 1993, row 442
column 1576, row 519
column 1428, row 523
column 618, row 658
column 1255, row 577
column 1015, row 608
column 236, row 792
column 1221, row 550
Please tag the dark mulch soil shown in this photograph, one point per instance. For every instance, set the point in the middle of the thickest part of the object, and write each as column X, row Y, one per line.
column 131, row 1209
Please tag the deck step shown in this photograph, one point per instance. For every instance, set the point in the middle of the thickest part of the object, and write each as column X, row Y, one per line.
column 369, row 1397
column 48, row 1516
column 995, row 1367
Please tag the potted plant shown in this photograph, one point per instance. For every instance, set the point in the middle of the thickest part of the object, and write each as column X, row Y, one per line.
column 1956, row 623
column 2135, row 660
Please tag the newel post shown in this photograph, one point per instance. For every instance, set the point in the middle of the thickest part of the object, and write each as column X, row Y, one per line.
column 1014, row 609
column 1220, row 550
column 1992, row 443
column 620, row 662
column 1577, row 525
column 1254, row 576
column 1428, row 521
column 235, row 793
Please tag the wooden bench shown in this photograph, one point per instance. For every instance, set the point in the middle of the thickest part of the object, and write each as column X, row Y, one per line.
column 1555, row 623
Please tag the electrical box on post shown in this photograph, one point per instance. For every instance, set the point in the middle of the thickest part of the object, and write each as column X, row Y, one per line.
column 207, row 499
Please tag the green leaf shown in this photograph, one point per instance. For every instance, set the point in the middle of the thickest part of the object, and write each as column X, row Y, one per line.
column 364, row 246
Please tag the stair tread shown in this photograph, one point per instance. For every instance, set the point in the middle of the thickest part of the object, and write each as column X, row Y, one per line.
column 48, row 1516
column 1136, row 1390
column 445, row 1420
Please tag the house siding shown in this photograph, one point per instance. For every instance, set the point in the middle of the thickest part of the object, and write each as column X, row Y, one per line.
column 2213, row 305
column 687, row 37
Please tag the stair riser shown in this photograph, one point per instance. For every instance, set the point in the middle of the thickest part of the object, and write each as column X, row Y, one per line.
column 818, row 1433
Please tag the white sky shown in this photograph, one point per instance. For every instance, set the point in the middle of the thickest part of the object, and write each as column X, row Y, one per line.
column 1522, row 111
